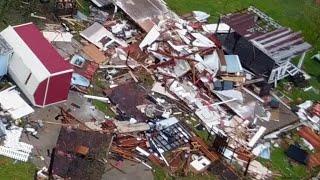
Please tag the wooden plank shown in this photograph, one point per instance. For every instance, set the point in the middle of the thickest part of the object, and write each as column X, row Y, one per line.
column 205, row 149
column 223, row 62
column 94, row 53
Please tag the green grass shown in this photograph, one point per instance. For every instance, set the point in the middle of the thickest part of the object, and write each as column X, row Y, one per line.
column 104, row 107
column 17, row 171
column 83, row 6
column 198, row 177
column 160, row 174
column 279, row 163
column 14, row 12
column 299, row 15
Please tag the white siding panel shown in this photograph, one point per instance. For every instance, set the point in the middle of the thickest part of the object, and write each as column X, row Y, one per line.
column 22, row 72
column 14, row 75
column 16, row 64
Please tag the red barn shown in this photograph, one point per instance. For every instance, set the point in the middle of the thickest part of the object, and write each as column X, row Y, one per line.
column 36, row 67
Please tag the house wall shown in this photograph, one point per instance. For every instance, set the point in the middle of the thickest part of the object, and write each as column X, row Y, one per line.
column 251, row 57
column 40, row 93
column 18, row 72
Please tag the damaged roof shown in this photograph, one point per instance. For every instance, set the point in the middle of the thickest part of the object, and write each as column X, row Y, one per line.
column 127, row 97
column 144, row 12
column 279, row 43
column 102, row 3
column 68, row 161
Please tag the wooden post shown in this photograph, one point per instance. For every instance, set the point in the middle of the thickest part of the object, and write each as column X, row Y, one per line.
column 247, row 168
column 51, row 163
column 229, row 31
column 193, row 72
column 219, row 20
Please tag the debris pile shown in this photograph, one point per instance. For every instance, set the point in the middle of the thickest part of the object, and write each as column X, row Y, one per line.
column 172, row 97
column 165, row 84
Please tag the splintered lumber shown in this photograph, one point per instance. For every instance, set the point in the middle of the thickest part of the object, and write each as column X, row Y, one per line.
column 205, row 149
column 314, row 160
column 126, row 127
column 253, row 81
column 239, row 79
column 186, row 168
column 223, row 62
column 243, row 154
column 256, row 136
column 145, row 164
column 175, row 162
column 164, row 159
column 310, row 136
column 155, row 160
column 131, row 142
column 94, row 53
column 36, row 16
column 125, row 154
column 103, row 99
column 109, row 146
column 133, row 76
column 117, row 168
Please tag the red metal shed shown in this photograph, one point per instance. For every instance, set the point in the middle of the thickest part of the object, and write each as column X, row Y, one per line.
column 36, row 67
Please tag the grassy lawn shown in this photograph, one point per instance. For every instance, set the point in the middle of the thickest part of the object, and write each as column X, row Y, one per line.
column 84, row 6
column 299, row 15
column 103, row 107
column 17, row 171
column 160, row 174
column 14, row 12
column 280, row 164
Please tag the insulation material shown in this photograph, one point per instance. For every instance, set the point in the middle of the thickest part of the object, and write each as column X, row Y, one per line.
column 152, row 35
column 101, row 37
column 13, row 148
column 202, row 41
column 57, row 36
column 257, row 136
column 200, row 16
column 11, row 101
column 212, row 28
column 200, row 164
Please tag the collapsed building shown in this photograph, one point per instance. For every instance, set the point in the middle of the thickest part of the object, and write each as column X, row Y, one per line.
column 264, row 46
column 77, row 154
column 169, row 80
